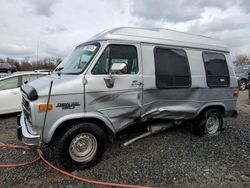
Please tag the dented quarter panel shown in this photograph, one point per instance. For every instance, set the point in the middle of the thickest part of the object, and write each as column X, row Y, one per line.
column 183, row 103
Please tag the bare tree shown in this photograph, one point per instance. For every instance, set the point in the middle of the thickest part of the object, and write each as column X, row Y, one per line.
column 241, row 60
column 27, row 65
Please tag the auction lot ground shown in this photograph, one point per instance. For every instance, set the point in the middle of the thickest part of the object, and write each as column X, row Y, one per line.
column 174, row 158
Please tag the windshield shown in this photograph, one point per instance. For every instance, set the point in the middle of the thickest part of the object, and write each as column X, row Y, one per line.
column 77, row 61
column 242, row 69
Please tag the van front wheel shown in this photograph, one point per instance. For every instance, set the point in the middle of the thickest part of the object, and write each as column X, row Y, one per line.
column 209, row 123
column 80, row 147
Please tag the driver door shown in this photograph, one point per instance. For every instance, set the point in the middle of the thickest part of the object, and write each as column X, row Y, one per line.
column 122, row 102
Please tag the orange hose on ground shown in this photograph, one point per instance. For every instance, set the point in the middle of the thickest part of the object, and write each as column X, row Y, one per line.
column 85, row 180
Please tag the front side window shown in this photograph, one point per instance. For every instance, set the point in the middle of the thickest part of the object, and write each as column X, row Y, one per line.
column 78, row 60
column 25, row 79
column 117, row 54
column 31, row 77
column 9, row 83
column 171, row 68
column 216, row 69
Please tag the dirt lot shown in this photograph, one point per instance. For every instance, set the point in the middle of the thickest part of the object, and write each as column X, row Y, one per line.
column 174, row 158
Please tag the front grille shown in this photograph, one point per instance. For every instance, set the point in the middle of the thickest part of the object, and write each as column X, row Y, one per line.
column 26, row 108
column 25, row 103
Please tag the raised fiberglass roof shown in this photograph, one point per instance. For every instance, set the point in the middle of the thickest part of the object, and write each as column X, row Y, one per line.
column 160, row 36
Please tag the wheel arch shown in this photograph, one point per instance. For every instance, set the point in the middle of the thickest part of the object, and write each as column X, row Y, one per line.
column 219, row 107
column 109, row 133
column 200, row 127
column 244, row 79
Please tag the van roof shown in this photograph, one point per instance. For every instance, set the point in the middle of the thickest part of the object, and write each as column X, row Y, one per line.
column 161, row 36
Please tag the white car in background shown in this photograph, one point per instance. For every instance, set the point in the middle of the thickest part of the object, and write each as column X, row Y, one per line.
column 10, row 95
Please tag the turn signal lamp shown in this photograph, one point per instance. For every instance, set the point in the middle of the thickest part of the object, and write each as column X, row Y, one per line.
column 44, row 107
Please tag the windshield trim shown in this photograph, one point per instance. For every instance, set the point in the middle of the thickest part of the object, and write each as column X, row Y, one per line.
column 97, row 44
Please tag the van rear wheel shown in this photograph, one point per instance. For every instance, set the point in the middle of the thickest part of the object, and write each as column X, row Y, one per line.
column 209, row 123
column 80, row 147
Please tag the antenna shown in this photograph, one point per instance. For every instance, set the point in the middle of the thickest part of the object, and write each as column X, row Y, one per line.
column 37, row 49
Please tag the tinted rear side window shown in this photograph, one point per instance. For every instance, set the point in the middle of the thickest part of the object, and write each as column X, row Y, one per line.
column 216, row 69
column 171, row 68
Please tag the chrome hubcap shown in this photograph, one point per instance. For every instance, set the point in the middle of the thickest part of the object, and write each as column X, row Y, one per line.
column 212, row 124
column 83, row 147
column 242, row 85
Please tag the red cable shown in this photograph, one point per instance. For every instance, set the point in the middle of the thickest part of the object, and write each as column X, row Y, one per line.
column 40, row 154
column 18, row 164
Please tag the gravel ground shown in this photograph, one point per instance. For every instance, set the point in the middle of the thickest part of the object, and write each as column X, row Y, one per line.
column 174, row 158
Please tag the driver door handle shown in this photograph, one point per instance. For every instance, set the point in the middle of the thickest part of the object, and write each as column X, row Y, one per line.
column 136, row 83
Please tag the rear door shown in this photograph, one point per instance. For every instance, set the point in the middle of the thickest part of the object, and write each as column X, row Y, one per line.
column 121, row 104
column 10, row 95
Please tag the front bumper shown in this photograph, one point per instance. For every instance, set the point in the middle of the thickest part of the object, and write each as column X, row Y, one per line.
column 24, row 135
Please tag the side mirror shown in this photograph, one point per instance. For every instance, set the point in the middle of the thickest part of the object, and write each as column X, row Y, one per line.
column 116, row 68
column 119, row 68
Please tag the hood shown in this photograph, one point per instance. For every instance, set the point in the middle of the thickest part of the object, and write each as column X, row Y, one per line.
column 62, row 85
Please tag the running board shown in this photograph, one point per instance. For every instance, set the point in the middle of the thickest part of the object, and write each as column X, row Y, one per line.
column 152, row 129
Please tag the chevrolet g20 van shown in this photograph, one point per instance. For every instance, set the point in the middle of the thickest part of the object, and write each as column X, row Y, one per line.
column 123, row 76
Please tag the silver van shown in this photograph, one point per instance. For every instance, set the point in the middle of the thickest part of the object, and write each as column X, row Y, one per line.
column 125, row 76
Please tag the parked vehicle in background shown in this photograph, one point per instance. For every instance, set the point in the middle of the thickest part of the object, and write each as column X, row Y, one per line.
column 242, row 74
column 7, row 68
column 123, row 76
column 3, row 75
column 43, row 70
column 10, row 94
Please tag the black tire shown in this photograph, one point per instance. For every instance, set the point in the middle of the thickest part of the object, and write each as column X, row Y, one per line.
column 203, row 122
column 242, row 85
column 64, row 139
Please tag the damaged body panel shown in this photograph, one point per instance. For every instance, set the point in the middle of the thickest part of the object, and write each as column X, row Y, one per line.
column 179, row 104
column 121, row 103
